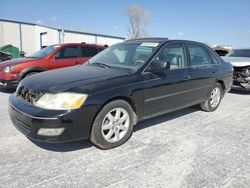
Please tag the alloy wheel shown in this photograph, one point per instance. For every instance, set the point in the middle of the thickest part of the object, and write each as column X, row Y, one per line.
column 115, row 125
column 215, row 97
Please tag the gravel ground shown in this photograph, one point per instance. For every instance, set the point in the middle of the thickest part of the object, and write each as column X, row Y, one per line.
column 187, row 148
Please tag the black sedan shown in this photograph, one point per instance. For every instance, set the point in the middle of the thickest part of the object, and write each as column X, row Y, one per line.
column 126, row 83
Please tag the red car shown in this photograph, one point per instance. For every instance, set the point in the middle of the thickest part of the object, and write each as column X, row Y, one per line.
column 51, row 57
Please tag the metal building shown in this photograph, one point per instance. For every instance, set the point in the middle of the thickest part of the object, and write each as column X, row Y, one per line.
column 30, row 37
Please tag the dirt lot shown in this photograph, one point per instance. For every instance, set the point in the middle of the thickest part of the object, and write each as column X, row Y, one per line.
column 188, row 148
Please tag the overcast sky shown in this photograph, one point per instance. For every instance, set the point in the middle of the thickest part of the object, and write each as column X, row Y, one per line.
column 211, row 21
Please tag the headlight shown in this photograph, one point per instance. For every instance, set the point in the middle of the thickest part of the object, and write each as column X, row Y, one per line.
column 61, row 101
column 9, row 69
column 6, row 69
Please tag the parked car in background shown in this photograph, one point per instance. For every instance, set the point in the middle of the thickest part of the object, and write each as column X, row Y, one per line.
column 51, row 57
column 240, row 59
column 222, row 50
column 126, row 83
column 5, row 56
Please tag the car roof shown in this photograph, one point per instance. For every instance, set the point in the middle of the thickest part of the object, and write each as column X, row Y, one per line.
column 160, row 40
column 82, row 44
column 151, row 39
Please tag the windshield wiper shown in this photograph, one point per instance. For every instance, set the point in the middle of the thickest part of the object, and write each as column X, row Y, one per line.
column 102, row 64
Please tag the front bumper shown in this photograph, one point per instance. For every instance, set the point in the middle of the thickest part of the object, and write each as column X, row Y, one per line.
column 241, row 86
column 241, row 83
column 8, row 79
column 29, row 120
column 8, row 83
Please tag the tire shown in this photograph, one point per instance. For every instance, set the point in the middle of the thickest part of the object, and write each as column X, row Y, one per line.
column 214, row 99
column 109, row 131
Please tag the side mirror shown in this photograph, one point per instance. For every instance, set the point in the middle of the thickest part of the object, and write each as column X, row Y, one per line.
column 158, row 66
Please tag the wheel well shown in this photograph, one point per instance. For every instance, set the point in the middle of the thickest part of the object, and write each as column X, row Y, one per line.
column 30, row 72
column 127, row 99
column 222, row 85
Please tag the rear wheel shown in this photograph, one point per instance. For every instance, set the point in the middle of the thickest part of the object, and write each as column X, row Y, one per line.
column 113, row 125
column 214, row 99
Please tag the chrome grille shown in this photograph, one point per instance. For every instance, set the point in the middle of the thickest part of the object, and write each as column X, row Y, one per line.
column 28, row 95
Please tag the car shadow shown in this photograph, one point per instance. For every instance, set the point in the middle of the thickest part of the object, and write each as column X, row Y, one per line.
column 7, row 90
column 164, row 118
column 239, row 92
column 64, row 147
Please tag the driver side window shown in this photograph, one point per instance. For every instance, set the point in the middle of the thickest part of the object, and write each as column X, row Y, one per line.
column 173, row 55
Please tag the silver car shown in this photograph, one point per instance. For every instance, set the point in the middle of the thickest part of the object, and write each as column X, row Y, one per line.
column 240, row 59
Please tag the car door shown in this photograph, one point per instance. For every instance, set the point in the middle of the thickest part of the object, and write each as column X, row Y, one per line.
column 167, row 90
column 203, row 71
column 65, row 57
column 86, row 52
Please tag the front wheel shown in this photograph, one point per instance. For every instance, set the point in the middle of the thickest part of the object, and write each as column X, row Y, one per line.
column 113, row 125
column 214, row 99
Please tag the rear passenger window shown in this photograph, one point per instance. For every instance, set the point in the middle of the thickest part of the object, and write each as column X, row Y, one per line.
column 173, row 55
column 88, row 51
column 199, row 55
column 67, row 52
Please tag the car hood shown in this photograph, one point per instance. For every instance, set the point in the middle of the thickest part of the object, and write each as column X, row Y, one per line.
column 16, row 61
column 81, row 78
column 238, row 61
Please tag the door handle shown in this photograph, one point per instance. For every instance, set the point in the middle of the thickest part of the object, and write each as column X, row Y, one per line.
column 187, row 77
column 214, row 71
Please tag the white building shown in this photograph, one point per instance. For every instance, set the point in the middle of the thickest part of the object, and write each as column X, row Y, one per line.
column 29, row 37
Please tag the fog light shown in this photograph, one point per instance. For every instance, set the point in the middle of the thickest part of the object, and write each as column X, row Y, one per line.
column 50, row 131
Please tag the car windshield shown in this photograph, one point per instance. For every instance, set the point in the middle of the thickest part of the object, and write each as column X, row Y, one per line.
column 125, row 55
column 45, row 51
column 239, row 53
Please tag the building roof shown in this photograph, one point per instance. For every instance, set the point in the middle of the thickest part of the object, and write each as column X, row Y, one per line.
column 60, row 29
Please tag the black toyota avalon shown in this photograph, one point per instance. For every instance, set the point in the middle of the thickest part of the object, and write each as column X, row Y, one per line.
column 124, row 84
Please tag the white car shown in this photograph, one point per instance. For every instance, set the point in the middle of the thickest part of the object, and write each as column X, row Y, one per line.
column 240, row 59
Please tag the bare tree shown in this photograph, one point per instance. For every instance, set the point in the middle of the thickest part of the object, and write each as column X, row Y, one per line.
column 138, row 18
